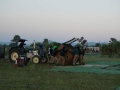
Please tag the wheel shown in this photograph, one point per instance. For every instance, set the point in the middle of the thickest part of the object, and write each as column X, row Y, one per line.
column 13, row 54
column 44, row 60
column 36, row 59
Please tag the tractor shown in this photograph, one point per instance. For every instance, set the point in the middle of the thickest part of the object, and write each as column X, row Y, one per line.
column 26, row 53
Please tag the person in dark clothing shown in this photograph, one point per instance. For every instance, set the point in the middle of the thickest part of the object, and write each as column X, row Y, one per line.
column 21, row 45
column 22, row 52
column 50, row 50
column 53, row 58
column 76, row 56
column 61, row 59
column 81, row 54
column 41, row 50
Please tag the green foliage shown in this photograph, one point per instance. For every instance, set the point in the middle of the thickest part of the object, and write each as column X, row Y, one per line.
column 36, row 43
column 78, row 45
column 51, row 44
column 112, row 48
column 113, row 40
column 46, row 44
column 97, row 45
column 56, row 43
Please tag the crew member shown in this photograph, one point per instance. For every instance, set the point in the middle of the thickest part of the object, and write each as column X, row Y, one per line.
column 52, row 57
column 61, row 59
column 76, row 56
column 21, row 45
column 81, row 55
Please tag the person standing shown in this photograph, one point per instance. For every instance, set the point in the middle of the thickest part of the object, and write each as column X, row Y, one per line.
column 52, row 57
column 41, row 49
column 50, row 51
column 76, row 56
column 21, row 45
column 61, row 59
column 81, row 55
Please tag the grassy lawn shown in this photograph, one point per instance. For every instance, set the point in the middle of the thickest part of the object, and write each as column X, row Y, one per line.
column 34, row 77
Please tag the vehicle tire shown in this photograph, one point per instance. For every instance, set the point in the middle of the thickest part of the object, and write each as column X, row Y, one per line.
column 13, row 54
column 44, row 60
column 36, row 59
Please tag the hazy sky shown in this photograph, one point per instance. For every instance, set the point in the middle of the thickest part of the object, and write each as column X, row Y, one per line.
column 60, row 20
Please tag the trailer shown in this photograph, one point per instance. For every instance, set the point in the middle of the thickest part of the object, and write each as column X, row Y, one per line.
column 69, row 55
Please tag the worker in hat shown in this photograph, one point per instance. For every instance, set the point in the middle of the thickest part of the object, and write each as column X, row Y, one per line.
column 53, row 57
column 76, row 56
column 61, row 59
column 81, row 55
column 21, row 45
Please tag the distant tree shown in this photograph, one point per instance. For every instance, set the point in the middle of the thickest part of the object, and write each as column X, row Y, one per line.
column 37, row 44
column 114, row 45
column 45, row 41
column 78, row 45
column 97, row 44
column 92, row 45
column 56, row 44
column 46, row 44
column 112, row 48
column 103, row 49
column 52, row 44
column 113, row 40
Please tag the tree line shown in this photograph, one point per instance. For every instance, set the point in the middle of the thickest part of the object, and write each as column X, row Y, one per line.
column 45, row 42
column 111, row 49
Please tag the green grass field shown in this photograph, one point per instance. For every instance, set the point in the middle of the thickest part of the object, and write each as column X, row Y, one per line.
column 38, row 77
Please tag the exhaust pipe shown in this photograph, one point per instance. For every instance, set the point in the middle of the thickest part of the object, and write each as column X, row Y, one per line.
column 34, row 44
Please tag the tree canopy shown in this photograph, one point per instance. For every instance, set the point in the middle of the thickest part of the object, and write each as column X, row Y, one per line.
column 113, row 48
